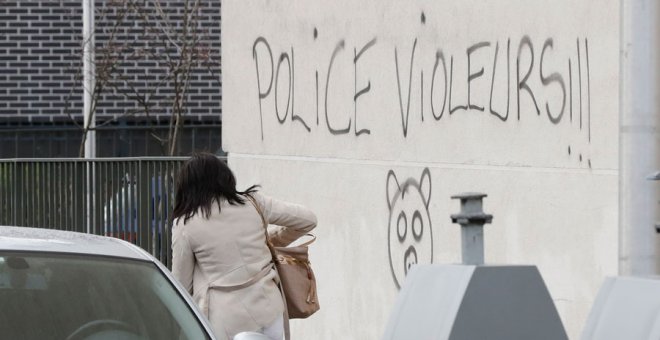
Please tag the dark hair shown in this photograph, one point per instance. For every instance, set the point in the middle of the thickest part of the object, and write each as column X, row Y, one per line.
column 202, row 180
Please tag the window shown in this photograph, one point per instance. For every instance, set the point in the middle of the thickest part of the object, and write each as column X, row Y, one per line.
column 49, row 296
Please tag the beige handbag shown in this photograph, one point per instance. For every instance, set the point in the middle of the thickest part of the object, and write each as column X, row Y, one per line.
column 297, row 278
column 298, row 283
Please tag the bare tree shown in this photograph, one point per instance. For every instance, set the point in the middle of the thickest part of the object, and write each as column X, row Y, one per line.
column 170, row 40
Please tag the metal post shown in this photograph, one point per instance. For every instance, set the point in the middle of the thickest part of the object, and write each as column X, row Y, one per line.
column 472, row 219
column 89, row 77
column 638, row 136
column 89, row 118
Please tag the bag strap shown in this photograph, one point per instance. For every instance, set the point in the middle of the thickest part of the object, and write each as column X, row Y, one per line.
column 287, row 331
column 263, row 219
column 256, row 206
column 308, row 242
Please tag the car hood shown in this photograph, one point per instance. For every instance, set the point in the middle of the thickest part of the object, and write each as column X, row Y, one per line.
column 57, row 241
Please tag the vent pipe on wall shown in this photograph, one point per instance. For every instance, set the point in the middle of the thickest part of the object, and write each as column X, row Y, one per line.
column 472, row 219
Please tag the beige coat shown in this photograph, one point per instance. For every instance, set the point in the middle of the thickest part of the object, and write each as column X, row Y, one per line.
column 212, row 256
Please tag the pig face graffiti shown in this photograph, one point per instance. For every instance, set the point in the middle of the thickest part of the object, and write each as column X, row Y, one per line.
column 410, row 237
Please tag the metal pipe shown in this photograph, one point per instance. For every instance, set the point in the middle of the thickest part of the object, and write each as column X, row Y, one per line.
column 88, row 91
column 472, row 219
column 89, row 78
column 638, row 136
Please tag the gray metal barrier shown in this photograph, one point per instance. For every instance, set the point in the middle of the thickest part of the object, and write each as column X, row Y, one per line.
column 127, row 198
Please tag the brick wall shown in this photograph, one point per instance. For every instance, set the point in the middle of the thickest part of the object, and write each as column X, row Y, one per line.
column 40, row 44
column 37, row 44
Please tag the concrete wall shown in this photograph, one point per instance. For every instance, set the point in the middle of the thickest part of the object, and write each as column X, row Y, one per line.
column 374, row 113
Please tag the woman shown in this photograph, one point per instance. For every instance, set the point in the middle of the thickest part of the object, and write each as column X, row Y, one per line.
column 219, row 250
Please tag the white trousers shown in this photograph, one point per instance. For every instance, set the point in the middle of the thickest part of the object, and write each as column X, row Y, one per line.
column 276, row 330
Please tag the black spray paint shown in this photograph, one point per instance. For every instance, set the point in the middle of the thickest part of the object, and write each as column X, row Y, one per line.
column 364, row 90
column 412, row 84
column 410, row 234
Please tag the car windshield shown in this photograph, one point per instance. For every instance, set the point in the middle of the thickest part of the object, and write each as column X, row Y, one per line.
column 74, row 297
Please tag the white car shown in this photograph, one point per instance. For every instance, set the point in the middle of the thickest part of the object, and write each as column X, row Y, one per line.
column 73, row 286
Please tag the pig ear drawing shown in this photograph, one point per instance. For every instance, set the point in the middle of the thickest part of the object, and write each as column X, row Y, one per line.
column 392, row 188
column 425, row 186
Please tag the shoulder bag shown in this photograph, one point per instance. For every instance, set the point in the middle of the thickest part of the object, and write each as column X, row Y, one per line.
column 297, row 280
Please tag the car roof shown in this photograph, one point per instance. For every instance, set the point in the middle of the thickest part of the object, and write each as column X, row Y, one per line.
column 69, row 242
